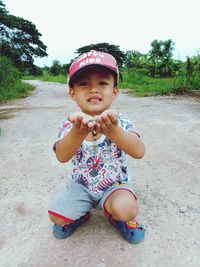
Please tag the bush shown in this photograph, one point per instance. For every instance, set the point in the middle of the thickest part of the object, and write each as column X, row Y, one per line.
column 143, row 85
column 8, row 73
column 193, row 72
column 36, row 71
column 194, row 81
column 10, row 83
column 56, row 68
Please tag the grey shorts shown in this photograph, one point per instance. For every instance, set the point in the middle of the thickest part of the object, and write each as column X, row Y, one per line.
column 75, row 200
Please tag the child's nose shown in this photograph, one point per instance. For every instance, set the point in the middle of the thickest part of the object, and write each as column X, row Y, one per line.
column 93, row 89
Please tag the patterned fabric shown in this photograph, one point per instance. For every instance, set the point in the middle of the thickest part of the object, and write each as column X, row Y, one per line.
column 100, row 164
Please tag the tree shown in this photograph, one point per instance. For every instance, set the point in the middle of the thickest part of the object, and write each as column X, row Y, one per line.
column 161, row 63
column 135, row 59
column 114, row 50
column 56, row 68
column 189, row 67
column 193, row 71
column 65, row 68
column 19, row 39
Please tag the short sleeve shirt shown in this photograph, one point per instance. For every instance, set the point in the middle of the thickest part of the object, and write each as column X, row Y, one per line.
column 100, row 164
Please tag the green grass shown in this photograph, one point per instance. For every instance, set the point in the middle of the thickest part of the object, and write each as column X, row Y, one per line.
column 48, row 78
column 11, row 86
column 139, row 83
column 19, row 90
column 142, row 85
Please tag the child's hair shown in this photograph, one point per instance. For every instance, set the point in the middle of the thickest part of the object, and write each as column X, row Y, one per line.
column 93, row 59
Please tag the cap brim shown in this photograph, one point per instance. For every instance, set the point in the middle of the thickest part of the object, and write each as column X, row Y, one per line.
column 75, row 76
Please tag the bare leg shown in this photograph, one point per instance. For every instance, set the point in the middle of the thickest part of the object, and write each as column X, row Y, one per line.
column 122, row 205
column 57, row 220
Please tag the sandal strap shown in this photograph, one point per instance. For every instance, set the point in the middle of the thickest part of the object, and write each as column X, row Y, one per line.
column 68, row 229
column 132, row 231
column 132, row 224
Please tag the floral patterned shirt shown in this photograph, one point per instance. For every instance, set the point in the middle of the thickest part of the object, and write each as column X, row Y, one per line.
column 100, row 164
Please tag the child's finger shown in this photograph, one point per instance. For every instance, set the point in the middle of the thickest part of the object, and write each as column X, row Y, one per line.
column 97, row 118
column 78, row 121
column 71, row 118
column 98, row 128
column 83, row 126
column 91, row 125
column 107, row 121
column 113, row 118
column 104, row 125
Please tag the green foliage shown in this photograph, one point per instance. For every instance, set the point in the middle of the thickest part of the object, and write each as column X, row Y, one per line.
column 142, row 85
column 19, row 40
column 154, row 73
column 56, row 68
column 58, row 79
column 36, row 71
column 55, row 73
column 46, row 77
column 10, row 83
column 114, row 50
column 157, row 63
column 135, row 59
column 161, row 49
column 193, row 72
column 8, row 73
column 160, row 62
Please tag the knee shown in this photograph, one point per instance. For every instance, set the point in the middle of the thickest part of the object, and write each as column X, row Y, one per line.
column 57, row 220
column 124, row 209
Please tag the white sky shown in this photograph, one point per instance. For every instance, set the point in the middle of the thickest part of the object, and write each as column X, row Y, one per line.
column 132, row 24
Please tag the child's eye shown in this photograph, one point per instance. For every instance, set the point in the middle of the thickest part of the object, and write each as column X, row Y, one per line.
column 103, row 83
column 82, row 84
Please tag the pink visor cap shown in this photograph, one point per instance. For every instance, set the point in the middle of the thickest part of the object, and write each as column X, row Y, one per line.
column 91, row 59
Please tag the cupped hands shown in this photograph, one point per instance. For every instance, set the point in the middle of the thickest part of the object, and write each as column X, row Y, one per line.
column 103, row 123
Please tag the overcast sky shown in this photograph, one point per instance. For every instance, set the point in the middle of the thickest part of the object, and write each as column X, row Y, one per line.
column 131, row 24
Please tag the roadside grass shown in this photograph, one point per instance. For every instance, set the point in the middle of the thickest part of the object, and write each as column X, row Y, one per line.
column 47, row 78
column 142, row 85
column 11, row 86
column 19, row 90
column 137, row 82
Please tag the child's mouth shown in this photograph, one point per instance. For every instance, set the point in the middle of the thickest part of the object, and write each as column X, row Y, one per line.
column 94, row 100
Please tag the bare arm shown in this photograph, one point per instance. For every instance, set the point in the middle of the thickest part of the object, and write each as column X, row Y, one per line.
column 130, row 143
column 69, row 144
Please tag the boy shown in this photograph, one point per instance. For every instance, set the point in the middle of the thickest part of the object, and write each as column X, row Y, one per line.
column 96, row 140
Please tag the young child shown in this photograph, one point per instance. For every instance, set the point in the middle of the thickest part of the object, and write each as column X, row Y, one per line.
column 96, row 140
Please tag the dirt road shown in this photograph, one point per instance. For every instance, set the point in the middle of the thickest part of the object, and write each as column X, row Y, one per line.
column 167, row 183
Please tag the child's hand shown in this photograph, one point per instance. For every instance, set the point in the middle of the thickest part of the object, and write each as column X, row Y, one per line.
column 107, row 121
column 82, row 122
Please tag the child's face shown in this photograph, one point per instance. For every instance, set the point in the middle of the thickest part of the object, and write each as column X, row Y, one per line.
column 94, row 91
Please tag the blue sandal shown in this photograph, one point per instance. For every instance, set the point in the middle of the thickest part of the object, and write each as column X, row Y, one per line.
column 131, row 231
column 68, row 229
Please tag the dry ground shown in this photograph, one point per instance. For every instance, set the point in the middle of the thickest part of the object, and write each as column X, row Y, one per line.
column 167, row 183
